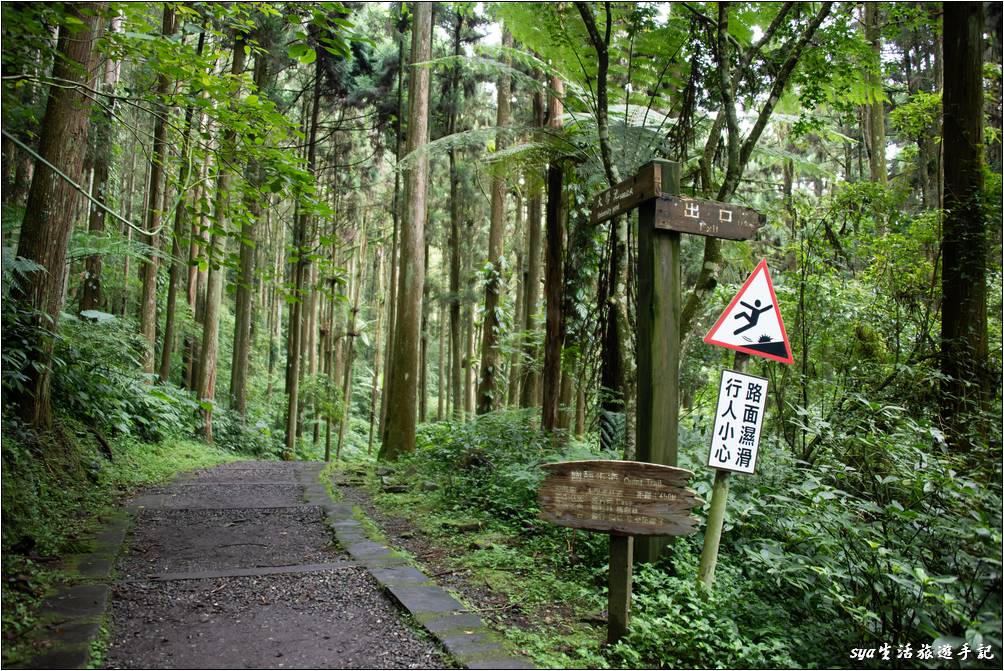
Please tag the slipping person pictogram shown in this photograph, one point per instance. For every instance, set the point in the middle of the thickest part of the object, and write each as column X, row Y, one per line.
column 753, row 317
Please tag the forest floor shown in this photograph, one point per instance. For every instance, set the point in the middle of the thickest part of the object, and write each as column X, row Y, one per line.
column 230, row 568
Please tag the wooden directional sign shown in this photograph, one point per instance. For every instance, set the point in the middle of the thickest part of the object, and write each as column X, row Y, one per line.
column 620, row 497
column 627, row 195
column 676, row 213
column 707, row 217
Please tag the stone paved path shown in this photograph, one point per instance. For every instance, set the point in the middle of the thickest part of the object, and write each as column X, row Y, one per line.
column 231, row 568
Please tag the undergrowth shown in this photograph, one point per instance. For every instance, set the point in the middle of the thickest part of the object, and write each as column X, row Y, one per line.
column 804, row 550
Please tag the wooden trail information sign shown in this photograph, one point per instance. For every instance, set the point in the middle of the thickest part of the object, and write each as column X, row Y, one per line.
column 624, row 499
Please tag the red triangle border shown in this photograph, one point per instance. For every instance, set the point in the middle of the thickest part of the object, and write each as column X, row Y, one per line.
column 780, row 320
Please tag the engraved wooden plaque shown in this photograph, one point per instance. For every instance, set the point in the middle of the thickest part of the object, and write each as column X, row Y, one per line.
column 620, row 497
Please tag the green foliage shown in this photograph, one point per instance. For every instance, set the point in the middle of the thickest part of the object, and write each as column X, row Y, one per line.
column 491, row 464
column 95, row 379
column 676, row 623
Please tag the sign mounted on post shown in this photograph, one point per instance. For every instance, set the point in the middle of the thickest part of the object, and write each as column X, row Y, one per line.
column 626, row 497
column 707, row 217
column 752, row 322
column 738, row 418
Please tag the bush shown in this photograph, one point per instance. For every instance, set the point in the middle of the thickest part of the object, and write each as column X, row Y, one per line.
column 94, row 379
column 492, row 463
column 676, row 623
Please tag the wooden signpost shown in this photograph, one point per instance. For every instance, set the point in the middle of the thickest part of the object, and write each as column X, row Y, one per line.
column 663, row 214
column 623, row 499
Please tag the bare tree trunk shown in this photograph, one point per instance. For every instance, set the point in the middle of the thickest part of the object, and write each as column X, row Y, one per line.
column 148, row 302
column 512, row 392
column 400, row 435
column 90, row 297
column 456, row 360
column 554, row 335
column 423, row 349
column 876, row 110
column 47, row 223
column 377, row 353
column 351, row 341
column 294, row 330
column 180, row 226
column 217, row 255
column 396, row 216
column 243, row 311
column 441, row 365
column 530, row 378
column 580, row 409
column 968, row 383
column 487, row 394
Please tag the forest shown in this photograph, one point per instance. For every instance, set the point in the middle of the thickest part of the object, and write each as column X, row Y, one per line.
column 363, row 234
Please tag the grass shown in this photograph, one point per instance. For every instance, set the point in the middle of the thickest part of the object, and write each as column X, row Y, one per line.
column 54, row 493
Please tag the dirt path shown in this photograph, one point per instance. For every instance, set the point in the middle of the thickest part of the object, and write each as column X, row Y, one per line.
column 229, row 568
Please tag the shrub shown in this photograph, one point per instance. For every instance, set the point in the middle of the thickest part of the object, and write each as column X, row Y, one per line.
column 676, row 623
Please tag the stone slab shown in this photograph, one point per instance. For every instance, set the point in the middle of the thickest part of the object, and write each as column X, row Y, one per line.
column 444, row 624
column 91, row 565
column 399, row 575
column 262, row 570
column 77, row 601
column 425, row 599
column 74, row 632
column 62, row 657
column 215, row 496
column 500, row 663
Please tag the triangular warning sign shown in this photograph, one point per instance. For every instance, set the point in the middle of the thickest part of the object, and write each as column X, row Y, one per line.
column 752, row 322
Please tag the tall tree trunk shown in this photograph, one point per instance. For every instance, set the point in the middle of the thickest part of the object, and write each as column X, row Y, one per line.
column 402, row 25
column 530, row 379
column 554, row 333
column 377, row 352
column 90, row 296
column 966, row 244
column 876, row 110
column 400, row 435
column 423, row 349
column 47, row 223
column 148, row 302
column 293, row 338
column 615, row 392
column 441, row 362
column 456, row 360
column 180, row 226
column 246, row 268
column 350, row 341
column 490, row 326
column 512, row 393
column 217, row 255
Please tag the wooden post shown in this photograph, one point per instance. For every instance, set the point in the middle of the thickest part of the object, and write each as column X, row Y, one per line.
column 716, row 514
column 619, row 594
column 658, row 317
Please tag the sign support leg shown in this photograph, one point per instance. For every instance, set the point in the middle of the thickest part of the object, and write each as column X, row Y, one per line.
column 658, row 338
column 716, row 515
column 713, row 533
column 619, row 594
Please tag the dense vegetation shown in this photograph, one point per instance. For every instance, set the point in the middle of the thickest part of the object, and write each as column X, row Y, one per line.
column 361, row 232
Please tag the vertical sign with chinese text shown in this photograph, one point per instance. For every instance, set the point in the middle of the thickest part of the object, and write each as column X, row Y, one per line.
column 738, row 419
